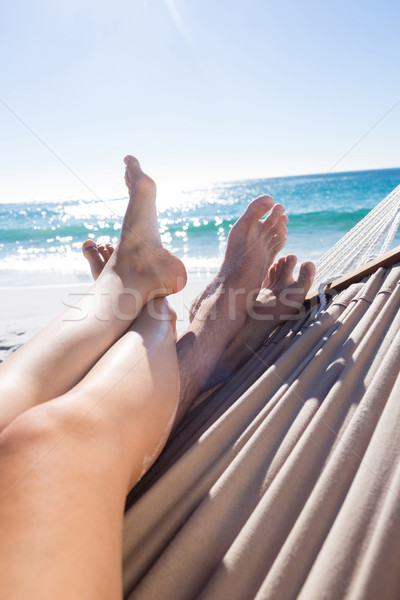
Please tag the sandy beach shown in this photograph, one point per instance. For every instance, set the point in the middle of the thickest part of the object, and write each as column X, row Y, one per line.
column 25, row 310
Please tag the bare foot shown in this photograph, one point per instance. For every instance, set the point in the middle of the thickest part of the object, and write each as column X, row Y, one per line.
column 139, row 249
column 252, row 246
column 247, row 233
column 221, row 311
column 281, row 298
column 250, row 242
column 97, row 255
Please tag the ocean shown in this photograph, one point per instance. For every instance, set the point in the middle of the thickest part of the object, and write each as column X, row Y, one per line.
column 40, row 242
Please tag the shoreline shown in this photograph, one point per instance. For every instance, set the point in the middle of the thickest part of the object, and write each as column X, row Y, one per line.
column 25, row 310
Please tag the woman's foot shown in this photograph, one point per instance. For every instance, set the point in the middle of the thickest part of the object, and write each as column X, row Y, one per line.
column 281, row 297
column 139, row 270
column 270, row 234
column 252, row 247
column 139, row 251
column 97, row 255
column 220, row 319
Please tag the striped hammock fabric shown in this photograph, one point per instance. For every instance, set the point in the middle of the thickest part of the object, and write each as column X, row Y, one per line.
column 285, row 482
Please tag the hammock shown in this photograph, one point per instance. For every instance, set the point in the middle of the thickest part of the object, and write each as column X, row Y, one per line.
column 371, row 237
column 285, row 482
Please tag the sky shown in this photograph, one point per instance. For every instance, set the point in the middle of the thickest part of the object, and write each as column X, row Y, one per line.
column 198, row 90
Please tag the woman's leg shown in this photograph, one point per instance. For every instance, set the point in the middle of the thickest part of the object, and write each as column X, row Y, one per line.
column 280, row 298
column 68, row 464
column 233, row 316
column 59, row 356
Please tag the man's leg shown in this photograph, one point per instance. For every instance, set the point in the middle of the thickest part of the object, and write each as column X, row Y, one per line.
column 251, row 249
column 281, row 298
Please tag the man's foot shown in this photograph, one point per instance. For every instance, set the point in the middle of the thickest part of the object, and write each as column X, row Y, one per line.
column 250, row 242
column 221, row 311
column 281, row 298
column 139, row 250
column 270, row 233
column 252, row 246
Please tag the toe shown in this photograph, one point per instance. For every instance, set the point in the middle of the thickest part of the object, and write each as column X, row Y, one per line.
column 285, row 219
column 279, row 267
column 258, row 208
column 105, row 254
column 89, row 248
column 276, row 219
column 110, row 248
column 269, row 280
column 91, row 253
column 279, row 237
column 135, row 178
column 306, row 276
column 132, row 163
column 289, row 263
column 273, row 274
column 134, row 174
column 277, row 227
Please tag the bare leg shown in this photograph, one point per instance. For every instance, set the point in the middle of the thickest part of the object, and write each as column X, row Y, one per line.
column 220, row 316
column 68, row 464
column 59, row 356
column 281, row 298
column 251, row 249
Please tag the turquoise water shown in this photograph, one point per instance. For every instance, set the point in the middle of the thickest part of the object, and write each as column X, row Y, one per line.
column 40, row 242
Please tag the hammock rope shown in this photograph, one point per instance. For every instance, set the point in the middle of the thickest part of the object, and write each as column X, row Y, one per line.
column 370, row 238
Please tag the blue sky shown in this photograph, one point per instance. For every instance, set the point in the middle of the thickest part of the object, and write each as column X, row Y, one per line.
column 199, row 90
